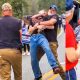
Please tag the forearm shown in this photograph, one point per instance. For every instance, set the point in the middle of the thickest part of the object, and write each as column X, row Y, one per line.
column 31, row 29
column 48, row 23
column 72, row 54
column 42, row 27
column 49, row 27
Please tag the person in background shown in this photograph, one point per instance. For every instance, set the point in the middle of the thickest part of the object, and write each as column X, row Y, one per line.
column 77, row 32
column 25, row 36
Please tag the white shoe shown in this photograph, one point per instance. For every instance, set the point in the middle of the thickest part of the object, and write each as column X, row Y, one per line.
column 28, row 53
column 24, row 53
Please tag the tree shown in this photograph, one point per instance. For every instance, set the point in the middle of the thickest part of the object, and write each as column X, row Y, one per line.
column 46, row 4
column 17, row 7
column 25, row 7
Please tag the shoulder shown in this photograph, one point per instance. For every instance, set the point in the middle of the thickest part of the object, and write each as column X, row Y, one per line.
column 15, row 19
column 69, row 31
column 1, row 18
column 54, row 16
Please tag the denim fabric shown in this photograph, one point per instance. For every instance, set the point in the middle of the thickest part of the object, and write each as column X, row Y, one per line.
column 39, row 40
column 71, row 75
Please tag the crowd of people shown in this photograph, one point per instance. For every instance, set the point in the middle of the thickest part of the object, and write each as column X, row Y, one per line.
column 39, row 33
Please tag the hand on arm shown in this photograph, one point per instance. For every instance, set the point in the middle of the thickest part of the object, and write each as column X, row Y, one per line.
column 31, row 29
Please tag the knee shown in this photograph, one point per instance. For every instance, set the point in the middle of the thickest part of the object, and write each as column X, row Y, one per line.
column 47, row 49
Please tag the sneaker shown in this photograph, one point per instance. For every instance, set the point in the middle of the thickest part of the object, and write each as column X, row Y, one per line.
column 56, row 70
column 28, row 53
column 24, row 53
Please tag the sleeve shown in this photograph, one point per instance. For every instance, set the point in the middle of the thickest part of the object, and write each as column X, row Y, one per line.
column 70, row 37
column 54, row 17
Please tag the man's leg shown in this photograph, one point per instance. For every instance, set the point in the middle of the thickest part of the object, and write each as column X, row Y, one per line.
column 5, row 66
column 54, row 46
column 17, row 64
column 34, row 59
column 24, row 47
column 67, row 76
column 40, row 53
column 71, row 74
column 28, row 47
column 14, row 58
column 45, row 45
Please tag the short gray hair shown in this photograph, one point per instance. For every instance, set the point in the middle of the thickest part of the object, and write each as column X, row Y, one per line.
column 6, row 6
column 42, row 11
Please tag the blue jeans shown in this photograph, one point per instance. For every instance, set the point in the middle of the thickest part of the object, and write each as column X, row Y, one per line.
column 40, row 40
column 71, row 74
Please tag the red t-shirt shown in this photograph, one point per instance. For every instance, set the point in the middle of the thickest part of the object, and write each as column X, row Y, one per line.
column 70, row 42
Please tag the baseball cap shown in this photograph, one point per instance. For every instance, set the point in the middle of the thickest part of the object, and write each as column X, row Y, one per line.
column 69, row 4
column 6, row 6
column 53, row 6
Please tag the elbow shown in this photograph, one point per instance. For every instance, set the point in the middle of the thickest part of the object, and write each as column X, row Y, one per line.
column 72, row 59
column 51, row 23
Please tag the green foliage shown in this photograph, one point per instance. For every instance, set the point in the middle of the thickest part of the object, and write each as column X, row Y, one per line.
column 29, row 7
column 59, row 3
column 25, row 7
column 17, row 8
column 35, row 5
